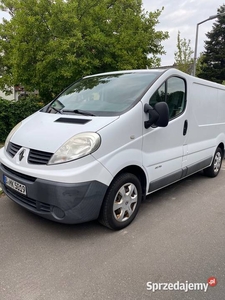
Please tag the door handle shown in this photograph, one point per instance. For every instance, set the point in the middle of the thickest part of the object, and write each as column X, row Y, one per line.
column 185, row 127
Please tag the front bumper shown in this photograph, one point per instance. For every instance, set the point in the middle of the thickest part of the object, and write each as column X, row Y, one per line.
column 69, row 203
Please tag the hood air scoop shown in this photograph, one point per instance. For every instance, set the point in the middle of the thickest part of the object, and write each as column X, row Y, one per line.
column 73, row 120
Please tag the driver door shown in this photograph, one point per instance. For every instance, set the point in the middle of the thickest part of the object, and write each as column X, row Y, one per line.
column 164, row 148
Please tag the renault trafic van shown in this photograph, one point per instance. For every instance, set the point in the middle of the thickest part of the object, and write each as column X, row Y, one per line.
column 108, row 140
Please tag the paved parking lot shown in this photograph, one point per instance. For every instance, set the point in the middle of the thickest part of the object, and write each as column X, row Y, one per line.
column 178, row 236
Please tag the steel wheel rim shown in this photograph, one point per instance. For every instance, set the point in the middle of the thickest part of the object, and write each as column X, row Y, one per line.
column 125, row 202
column 217, row 162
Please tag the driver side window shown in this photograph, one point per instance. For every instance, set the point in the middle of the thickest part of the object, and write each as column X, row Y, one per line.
column 173, row 92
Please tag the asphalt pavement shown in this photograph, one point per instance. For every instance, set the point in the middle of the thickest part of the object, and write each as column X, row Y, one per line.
column 177, row 241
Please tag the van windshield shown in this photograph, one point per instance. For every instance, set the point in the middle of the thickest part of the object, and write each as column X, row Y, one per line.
column 110, row 94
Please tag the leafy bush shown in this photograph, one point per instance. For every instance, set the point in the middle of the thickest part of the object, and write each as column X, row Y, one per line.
column 12, row 112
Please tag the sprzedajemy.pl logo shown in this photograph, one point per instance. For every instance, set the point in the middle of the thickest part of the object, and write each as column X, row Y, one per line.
column 181, row 286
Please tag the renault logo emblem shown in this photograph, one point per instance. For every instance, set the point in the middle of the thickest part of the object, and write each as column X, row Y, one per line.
column 21, row 155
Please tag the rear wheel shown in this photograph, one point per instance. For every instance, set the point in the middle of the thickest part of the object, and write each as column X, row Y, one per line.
column 214, row 169
column 122, row 202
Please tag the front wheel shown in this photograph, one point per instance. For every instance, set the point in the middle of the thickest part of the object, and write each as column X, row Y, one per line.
column 121, row 202
column 214, row 169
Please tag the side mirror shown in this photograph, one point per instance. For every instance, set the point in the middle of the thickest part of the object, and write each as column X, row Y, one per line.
column 159, row 115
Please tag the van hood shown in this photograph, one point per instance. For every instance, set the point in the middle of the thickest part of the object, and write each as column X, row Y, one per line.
column 47, row 132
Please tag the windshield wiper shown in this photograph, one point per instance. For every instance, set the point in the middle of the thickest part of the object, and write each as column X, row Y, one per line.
column 79, row 111
column 55, row 109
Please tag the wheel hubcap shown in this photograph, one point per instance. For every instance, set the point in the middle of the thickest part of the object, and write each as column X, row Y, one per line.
column 217, row 162
column 125, row 202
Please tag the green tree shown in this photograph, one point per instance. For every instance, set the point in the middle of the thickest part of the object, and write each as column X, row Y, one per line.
column 47, row 44
column 183, row 55
column 214, row 55
column 200, row 65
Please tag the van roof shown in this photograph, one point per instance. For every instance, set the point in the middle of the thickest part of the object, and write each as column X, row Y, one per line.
column 129, row 71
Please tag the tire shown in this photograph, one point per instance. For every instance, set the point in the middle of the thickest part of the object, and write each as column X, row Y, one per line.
column 121, row 202
column 214, row 169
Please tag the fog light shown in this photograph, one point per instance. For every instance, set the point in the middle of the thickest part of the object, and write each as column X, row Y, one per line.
column 58, row 213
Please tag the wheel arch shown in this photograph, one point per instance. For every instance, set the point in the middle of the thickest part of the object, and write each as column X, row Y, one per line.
column 137, row 171
column 221, row 146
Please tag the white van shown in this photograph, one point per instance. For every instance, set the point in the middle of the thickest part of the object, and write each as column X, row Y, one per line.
column 109, row 140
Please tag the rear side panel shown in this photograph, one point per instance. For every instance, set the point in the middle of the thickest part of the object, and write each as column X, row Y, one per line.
column 207, row 120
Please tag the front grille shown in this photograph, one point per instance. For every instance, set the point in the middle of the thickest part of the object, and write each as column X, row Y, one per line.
column 39, row 157
column 12, row 149
column 35, row 157
column 20, row 175
column 38, row 206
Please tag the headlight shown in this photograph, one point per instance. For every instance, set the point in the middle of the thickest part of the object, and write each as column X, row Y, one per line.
column 78, row 146
column 11, row 134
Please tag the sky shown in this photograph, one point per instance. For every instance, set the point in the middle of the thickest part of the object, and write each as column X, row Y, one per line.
column 183, row 16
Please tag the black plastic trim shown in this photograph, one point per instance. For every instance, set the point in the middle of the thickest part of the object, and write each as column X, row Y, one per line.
column 159, row 183
column 17, row 174
column 37, row 157
column 182, row 173
column 12, row 149
column 73, row 202
column 73, row 120
column 199, row 166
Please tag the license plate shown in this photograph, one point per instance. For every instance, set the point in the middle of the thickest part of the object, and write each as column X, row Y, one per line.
column 19, row 187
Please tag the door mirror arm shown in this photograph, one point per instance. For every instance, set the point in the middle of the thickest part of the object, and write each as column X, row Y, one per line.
column 153, row 115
